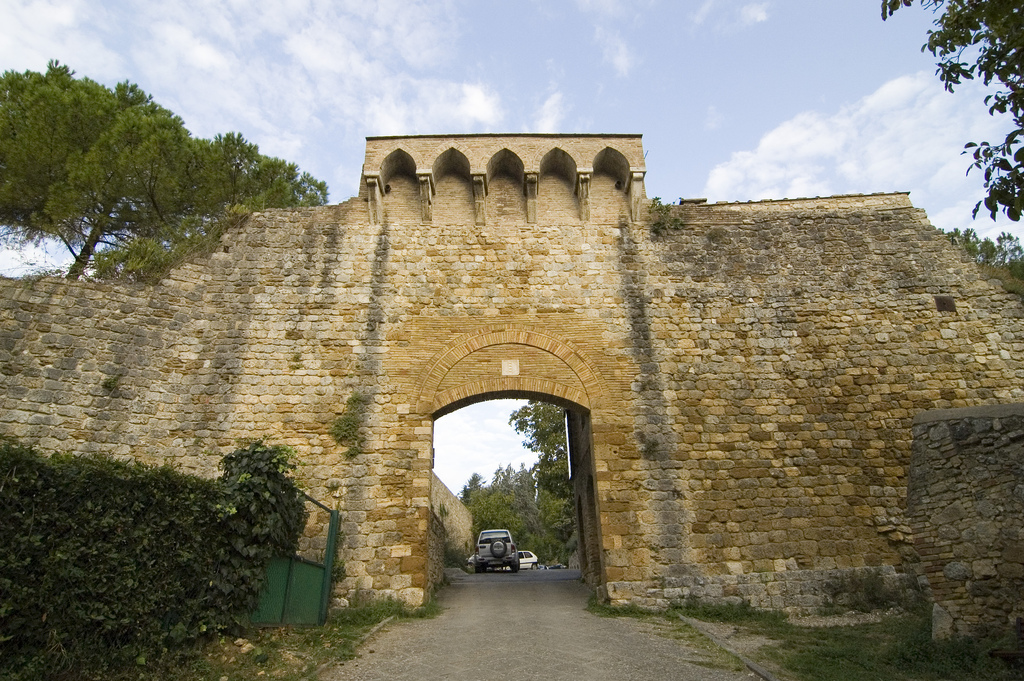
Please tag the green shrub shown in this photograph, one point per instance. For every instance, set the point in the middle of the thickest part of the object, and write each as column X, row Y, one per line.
column 345, row 429
column 108, row 564
column 661, row 219
column 868, row 590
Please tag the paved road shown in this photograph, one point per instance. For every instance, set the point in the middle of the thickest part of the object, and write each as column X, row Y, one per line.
column 531, row 625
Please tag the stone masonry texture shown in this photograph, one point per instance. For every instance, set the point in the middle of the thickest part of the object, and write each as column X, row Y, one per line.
column 740, row 388
column 966, row 510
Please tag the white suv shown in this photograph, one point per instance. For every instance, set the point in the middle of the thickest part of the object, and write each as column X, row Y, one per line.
column 495, row 549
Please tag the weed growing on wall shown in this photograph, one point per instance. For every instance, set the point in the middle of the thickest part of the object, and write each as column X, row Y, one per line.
column 661, row 218
column 345, row 429
column 109, row 564
column 110, row 383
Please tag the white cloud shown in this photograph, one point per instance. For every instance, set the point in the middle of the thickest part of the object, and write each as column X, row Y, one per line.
column 906, row 136
column 413, row 107
column 36, row 31
column 478, row 105
column 729, row 15
column 754, row 13
column 549, row 118
column 704, row 11
column 601, row 7
column 28, row 259
column 713, row 118
column 478, row 439
column 615, row 51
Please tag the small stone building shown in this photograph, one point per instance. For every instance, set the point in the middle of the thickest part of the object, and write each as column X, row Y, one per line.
column 740, row 381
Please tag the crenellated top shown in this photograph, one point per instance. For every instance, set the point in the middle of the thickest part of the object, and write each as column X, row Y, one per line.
column 523, row 158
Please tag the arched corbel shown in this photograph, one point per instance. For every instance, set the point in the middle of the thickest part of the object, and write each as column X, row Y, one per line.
column 374, row 190
column 636, row 193
column 426, row 179
column 583, row 176
column 479, row 196
column 531, row 197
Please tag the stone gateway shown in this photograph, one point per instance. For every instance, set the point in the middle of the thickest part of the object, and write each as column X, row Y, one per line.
column 740, row 379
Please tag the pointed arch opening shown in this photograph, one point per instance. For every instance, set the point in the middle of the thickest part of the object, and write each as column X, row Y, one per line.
column 506, row 164
column 557, row 198
column 400, row 186
column 506, row 187
column 397, row 164
column 453, row 182
column 451, row 162
column 612, row 163
column 609, row 187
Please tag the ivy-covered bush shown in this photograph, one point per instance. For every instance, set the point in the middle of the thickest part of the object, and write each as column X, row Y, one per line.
column 106, row 563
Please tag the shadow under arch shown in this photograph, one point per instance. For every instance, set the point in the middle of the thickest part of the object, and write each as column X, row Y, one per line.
column 611, row 162
column 397, row 164
column 558, row 162
column 506, row 163
column 451, row 162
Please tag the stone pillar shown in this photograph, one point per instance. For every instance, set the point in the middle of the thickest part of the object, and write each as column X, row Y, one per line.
column 373, row 194
column 479, row 194
column 636, row 193
column 583, row 192
column 426, row 195
column 531, row 197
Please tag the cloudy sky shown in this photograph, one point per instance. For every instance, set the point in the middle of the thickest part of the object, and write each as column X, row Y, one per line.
column 736, row 99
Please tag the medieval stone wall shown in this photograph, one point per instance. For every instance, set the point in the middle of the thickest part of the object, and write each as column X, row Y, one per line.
column 457, row 520
column 451, row 527
column 966, row 508
column 747, row 379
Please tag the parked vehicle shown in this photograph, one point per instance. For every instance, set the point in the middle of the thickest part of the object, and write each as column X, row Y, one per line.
column 527, row 561
column 495, row 549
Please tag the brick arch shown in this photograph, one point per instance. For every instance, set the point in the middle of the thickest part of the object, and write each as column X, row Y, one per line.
column 508, row 388
column 431, row 400
column 432, row 155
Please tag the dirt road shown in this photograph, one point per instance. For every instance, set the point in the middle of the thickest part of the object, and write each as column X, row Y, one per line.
column 530, row 625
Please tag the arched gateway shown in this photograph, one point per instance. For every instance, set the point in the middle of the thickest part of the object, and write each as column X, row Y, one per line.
column 740, row 379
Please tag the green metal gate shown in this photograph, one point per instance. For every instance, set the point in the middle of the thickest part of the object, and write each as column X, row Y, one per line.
column 297, row 591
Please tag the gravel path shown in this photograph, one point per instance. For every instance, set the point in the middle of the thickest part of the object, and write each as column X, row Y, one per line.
column 531, row 625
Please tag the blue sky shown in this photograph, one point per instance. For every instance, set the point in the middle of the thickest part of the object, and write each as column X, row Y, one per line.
column 736, row 99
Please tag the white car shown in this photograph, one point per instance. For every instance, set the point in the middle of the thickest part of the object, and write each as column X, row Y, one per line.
column 527, row 561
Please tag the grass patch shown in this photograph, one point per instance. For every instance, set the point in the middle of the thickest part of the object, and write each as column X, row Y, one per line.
column 899, row 648
column 282, row 653
column 741, row 613
column 896, row 648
